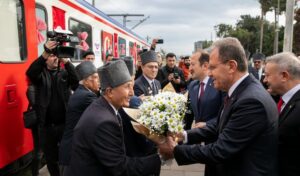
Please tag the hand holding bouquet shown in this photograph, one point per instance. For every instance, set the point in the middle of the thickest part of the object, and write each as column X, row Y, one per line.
column 159, row 115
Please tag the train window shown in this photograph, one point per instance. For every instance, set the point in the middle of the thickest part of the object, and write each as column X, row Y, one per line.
column 122, row 47
column 84, row 32
column 138, row 48
column 41, row 25
column 13, row 47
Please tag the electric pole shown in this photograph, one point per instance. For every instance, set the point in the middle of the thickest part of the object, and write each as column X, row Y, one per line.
column 125, row 16
column 141, row 21
column 288, row 31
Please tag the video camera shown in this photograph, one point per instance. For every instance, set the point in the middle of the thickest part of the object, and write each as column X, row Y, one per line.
column 63, row 36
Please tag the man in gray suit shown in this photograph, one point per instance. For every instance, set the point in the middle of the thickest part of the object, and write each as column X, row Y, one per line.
column 245, row 134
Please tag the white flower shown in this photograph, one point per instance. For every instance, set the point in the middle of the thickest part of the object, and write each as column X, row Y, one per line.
column 163, row 112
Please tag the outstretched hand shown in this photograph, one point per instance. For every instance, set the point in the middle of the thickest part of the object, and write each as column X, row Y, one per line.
column 166, row 149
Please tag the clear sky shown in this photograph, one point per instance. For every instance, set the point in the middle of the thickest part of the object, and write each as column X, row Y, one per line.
column 181, row 22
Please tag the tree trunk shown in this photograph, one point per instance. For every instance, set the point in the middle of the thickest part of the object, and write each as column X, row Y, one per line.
column 261, row 30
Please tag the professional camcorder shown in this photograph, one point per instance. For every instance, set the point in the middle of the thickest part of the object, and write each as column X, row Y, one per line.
column 62, row 37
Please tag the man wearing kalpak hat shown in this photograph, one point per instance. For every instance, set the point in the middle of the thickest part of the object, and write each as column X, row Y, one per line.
column 146, row 84
column 136, row 144
column 83, row 96
column 98, row 141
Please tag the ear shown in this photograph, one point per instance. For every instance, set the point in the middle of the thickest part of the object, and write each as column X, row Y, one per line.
column 142, row 67
column 205, row 65
column 285, row 75
column 108, row 92
column 232, row 65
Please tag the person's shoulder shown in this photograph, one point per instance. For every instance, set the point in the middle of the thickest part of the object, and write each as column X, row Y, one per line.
column 193, row 84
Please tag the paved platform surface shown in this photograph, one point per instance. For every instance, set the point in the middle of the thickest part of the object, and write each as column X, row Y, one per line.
column 172, row 169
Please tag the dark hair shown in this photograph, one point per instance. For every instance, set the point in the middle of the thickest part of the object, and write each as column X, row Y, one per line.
column 230, row 48
column 170, row 55
column 186, row 57
column 87, row 53
column 204, row 57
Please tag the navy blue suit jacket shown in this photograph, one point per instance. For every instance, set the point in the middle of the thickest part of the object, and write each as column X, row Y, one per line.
column 245, row 135
column 141, row 86
column 78, row 102
column 210, row 103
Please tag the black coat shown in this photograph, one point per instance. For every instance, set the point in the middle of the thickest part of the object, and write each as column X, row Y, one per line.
column 136, row 144
column 41, row 79
column 141, row 86
column 163, row 78
column 245, row 135
column 78, row 102
column 98, row 146
column 289, row 138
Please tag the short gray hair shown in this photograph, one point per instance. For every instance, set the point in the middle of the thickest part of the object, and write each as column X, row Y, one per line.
column 230, row 48
column 286, row 61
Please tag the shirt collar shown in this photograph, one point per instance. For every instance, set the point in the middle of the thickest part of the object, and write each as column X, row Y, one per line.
column 148, row 80
column 205, row 80
column 236, row 84
column 289, row 94
column 116, row 111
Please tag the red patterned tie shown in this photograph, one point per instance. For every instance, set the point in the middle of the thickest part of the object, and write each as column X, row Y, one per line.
column 201, row 90
column 279, row 104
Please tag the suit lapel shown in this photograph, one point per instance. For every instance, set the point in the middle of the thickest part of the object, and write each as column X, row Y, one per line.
column 225, row 115
column 289, row 107
column 147, row 86
column 207, row 92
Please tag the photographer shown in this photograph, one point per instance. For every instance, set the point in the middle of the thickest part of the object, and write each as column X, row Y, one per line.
column 171, row 73
column 53, row 88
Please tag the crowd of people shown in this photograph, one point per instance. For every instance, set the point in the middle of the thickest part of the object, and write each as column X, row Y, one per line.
column 232, row 123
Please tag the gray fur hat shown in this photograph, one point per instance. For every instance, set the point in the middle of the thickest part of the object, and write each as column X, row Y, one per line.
column 129, row 63
column 149, row 56
column 85, row 69
column 113, row 74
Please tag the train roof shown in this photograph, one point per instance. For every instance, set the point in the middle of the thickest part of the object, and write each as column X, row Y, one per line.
column 109, row 19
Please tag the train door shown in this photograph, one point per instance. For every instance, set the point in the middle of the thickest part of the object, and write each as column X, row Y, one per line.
column 16, row 51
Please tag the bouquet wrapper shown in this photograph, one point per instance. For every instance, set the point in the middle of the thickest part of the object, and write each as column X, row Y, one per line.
column 156, row 138
column 142, row 129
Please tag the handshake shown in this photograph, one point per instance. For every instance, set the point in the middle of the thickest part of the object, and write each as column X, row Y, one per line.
column 166, row 148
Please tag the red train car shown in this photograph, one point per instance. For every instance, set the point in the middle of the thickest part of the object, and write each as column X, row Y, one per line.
column 23, row 29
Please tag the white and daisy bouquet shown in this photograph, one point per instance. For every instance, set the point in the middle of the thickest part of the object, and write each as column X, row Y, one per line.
column 159, row 115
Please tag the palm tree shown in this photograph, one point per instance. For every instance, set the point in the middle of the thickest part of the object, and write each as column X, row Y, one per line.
column 265, row 6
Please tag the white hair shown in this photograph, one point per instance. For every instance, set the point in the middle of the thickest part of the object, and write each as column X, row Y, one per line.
column 286, row 61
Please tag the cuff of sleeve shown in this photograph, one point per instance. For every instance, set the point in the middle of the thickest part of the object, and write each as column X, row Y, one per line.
column 185, row 140
column 163, row 162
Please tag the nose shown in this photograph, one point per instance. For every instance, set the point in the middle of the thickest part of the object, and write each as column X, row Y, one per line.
column 131, row 93
column 209, row 73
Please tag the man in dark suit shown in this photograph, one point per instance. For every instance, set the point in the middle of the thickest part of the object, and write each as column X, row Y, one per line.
column 283, row 78
column 245, row 134
column 258, row 69
column 98, row 141
column 136, row 144
column 146, row 84
column 205, row 99
column 83, row 96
